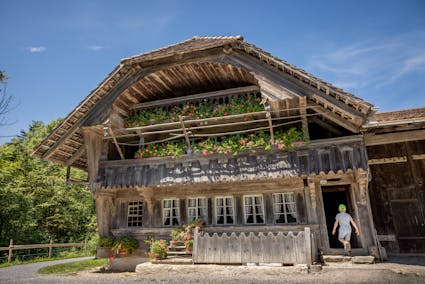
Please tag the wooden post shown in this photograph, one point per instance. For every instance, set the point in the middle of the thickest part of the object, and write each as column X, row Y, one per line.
column 85, row 246
column 50, row 248
column 185, row 133
column 269, row 118
column 303, row 113
column 195, row 244
column 307, row 252
column 115, row 142
column 9, row 258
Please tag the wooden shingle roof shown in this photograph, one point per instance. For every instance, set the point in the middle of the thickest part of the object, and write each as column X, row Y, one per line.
column 65, row 143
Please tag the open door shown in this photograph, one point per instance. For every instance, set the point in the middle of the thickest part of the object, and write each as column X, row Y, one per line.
column 332, row 197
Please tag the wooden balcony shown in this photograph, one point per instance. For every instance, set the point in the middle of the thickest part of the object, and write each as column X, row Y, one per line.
column 337, row 154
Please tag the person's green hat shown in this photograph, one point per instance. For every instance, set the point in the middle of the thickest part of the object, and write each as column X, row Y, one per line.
column 342, row 207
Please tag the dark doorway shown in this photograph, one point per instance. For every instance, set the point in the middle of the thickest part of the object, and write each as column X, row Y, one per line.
column 332, row 197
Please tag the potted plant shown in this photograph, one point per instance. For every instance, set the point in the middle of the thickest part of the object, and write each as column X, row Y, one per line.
column 125, row 245
column 189, row 245
column 176, row 236
column 104, row 245
column 158, row 249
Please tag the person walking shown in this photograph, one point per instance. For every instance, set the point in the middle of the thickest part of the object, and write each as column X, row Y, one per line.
column 344, row 220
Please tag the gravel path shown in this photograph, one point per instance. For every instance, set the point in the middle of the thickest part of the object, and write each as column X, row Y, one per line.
column 388, row 272
column 27, row 273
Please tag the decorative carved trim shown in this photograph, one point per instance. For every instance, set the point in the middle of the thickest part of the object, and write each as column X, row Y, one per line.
column 390, row 160
column 418, row 157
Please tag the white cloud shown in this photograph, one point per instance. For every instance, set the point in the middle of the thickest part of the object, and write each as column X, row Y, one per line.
column 95, row 47
column 372, row 63
column 36, row 49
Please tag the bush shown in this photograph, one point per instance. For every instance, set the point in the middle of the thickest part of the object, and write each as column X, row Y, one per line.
column 105, row 242
column 127, row 243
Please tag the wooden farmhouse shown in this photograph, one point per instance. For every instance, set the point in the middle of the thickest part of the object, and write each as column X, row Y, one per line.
column 215, row 128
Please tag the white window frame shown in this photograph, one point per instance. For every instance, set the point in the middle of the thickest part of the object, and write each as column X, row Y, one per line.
column 177, row 208
column 254, row 209
column 284, row 203
column 138, row 206
column 224, row 211
column 197, row 207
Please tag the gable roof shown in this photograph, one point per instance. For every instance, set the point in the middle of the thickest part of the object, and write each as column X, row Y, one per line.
column 65, row 143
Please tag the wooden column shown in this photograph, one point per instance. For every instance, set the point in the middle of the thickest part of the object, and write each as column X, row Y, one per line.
column 147, row 194
column 303, row 113
column 105, row 211
column 93, row 145
column 364, row 213
column 313, row 201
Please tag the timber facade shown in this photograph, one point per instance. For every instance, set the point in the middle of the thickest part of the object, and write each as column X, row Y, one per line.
column 269, row 189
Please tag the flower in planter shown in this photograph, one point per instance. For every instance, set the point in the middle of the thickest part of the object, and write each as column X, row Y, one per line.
column 158, row 249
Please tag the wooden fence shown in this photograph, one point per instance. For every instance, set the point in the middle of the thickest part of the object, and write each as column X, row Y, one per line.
column 284, row 248
column 48, row 246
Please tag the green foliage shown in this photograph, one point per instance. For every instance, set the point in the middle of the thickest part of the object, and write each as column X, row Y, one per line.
column 158, row 249
column 127, row 243
column 177, row 234
column 105, row 242
column 75, row 266
column 188, row 243
column 36, row 204
column 226, row 145
column 206, row 109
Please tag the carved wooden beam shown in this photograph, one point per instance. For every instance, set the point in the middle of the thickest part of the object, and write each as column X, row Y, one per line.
column 389, row 160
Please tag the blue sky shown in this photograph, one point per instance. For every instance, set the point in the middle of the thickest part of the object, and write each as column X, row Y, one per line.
column 55, row 52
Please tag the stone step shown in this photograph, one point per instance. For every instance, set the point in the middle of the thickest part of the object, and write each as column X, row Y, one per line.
column 179, row 253
column 177, row 248
column 366, row 259
column 336, row 258
column 176, row 260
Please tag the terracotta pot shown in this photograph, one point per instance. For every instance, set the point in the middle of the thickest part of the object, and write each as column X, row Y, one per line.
column 189, row 249
column 173, row 244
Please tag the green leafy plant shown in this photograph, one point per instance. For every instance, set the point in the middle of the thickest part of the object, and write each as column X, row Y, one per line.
column 126, row 244
column 158, row 249
column 206, row 109
column 177, row 234
column 283, row 140
column 105, row 242
column 189, row 245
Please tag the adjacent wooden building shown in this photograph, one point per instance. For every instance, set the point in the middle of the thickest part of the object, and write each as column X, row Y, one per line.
column 266, row 189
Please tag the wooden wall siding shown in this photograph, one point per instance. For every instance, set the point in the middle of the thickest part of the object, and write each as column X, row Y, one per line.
column 397, row 194
column 285, row 248
column 335, row 156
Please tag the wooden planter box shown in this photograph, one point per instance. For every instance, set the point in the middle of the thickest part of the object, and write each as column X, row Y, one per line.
column 103, row 252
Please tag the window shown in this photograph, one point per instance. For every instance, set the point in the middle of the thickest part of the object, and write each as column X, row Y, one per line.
column 224, row 210
column 135, row 214
column 171, row 212
column 254, row 209
column 197, row 209
column 284, row 208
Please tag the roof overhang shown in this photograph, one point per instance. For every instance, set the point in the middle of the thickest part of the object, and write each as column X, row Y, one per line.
column 65, row 143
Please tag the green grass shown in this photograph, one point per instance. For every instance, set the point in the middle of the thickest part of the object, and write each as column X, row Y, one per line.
column 72, row 267
column 63, row 255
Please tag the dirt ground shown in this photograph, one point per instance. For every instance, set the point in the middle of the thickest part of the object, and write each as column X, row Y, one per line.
column 396, row 270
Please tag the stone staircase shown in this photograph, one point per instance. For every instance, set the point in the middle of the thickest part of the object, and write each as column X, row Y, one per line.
column 341, row 259
column 176, row 255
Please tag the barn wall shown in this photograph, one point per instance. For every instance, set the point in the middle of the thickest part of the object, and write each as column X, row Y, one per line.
column 397, row 194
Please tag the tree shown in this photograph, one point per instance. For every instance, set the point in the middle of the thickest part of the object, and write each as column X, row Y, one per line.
column 36, row 204
column 5, row 99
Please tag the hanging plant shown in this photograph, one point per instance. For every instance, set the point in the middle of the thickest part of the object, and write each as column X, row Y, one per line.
column 226, row 145
column 206, row 109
